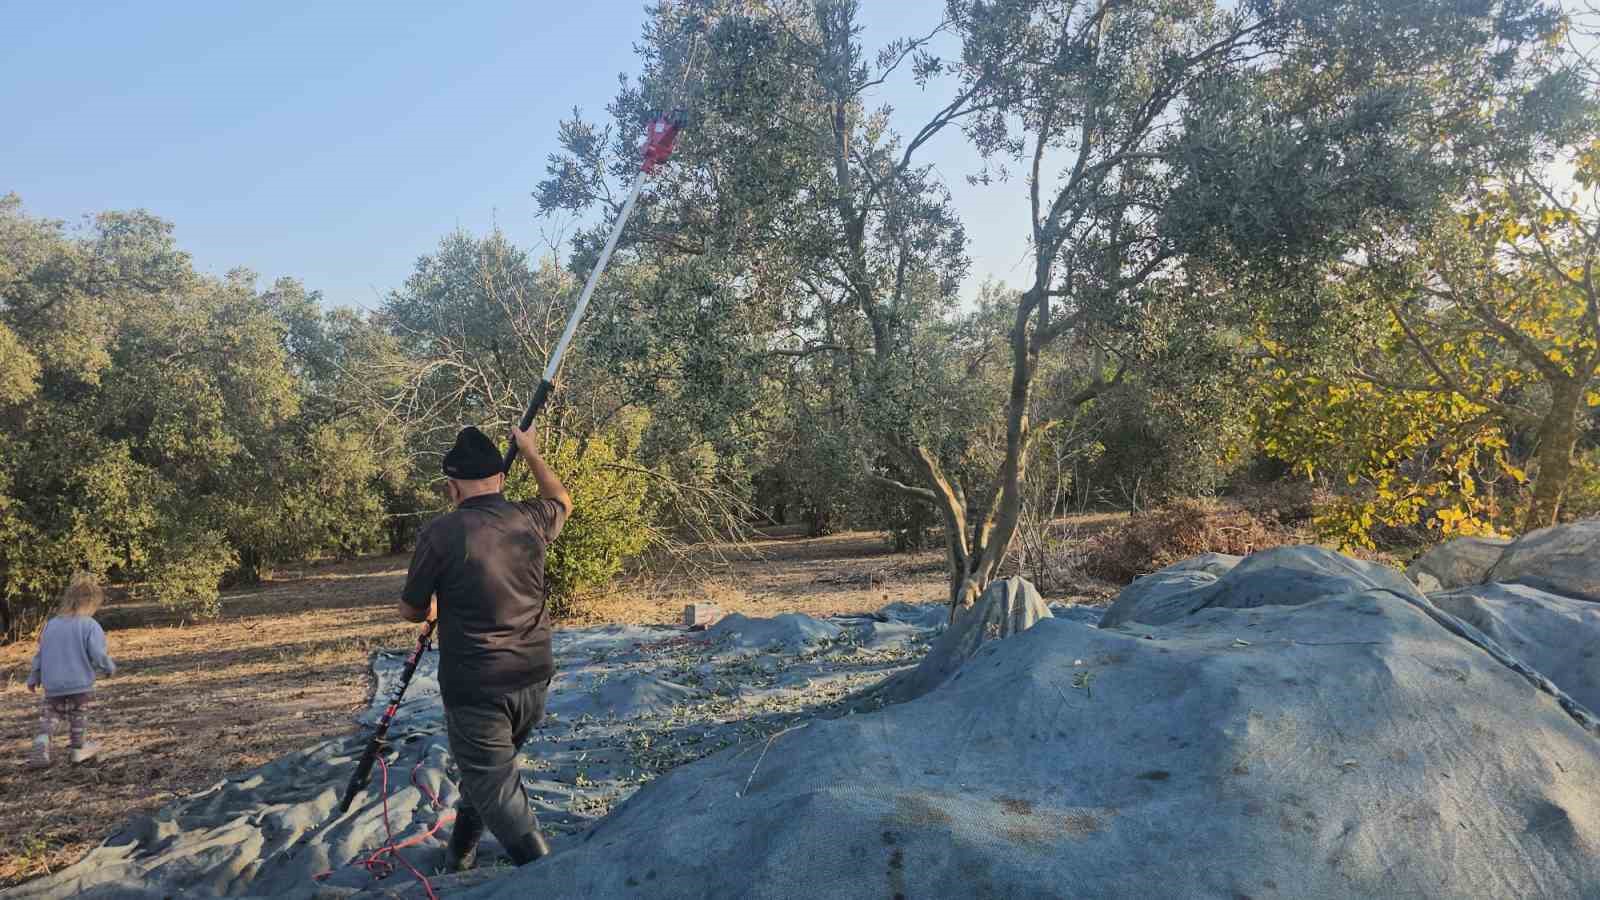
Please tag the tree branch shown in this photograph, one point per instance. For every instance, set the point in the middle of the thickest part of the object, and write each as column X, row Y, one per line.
column 809, row 350
column 920, row 493
column 1433, row 365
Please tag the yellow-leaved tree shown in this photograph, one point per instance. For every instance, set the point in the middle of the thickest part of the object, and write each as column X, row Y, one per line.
column 1461, row 401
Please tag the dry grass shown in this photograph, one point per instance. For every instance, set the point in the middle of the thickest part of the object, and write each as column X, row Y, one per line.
column 849, row 572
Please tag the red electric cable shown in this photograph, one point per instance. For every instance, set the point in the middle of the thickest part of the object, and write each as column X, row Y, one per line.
column 380, row 868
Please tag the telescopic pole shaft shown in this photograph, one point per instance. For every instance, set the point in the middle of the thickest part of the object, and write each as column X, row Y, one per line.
column 542, row 394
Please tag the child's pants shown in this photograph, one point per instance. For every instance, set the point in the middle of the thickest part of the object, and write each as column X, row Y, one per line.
column 74, row 708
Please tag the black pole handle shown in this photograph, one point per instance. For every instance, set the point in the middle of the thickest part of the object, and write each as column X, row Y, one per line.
column 363, row 772
column 540, row 396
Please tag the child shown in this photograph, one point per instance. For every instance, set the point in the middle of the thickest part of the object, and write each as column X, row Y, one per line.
column 71, row 649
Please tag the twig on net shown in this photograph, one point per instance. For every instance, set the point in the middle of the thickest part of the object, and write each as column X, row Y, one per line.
column 763, row 755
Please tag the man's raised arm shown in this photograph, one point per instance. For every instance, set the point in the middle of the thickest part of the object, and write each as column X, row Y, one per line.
column 550, row 487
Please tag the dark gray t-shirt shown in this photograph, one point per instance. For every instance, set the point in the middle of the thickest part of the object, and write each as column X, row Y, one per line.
column 485, row 563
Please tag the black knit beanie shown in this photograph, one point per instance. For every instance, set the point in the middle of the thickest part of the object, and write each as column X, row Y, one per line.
column 474, row 456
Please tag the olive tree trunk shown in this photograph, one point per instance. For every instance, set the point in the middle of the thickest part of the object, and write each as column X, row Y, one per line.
column 1558, row 436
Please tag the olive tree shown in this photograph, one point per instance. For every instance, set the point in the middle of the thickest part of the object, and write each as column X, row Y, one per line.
column 1161, row 145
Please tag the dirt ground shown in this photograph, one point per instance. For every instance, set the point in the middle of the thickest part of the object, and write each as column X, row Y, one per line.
column 286, row 666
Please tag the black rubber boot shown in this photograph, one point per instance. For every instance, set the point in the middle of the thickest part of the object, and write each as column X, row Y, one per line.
column 532, row 846
column 462, row 853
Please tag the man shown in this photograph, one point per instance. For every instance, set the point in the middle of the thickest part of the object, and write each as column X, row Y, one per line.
column 480, row 569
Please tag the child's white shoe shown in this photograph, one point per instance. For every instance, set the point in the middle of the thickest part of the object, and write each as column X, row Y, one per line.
column 40, row 757
column 85, row 753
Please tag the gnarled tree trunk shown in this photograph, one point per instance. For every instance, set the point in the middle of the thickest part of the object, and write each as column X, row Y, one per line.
column 1000, row 522
column 1558, row 436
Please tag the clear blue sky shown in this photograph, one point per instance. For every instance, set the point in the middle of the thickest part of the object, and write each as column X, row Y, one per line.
column 337, row 142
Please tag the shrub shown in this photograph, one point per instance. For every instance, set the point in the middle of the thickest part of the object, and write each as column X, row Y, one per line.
column 187, row 571
column 610, row 518
column 1153, row 540
column 1165, row 442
